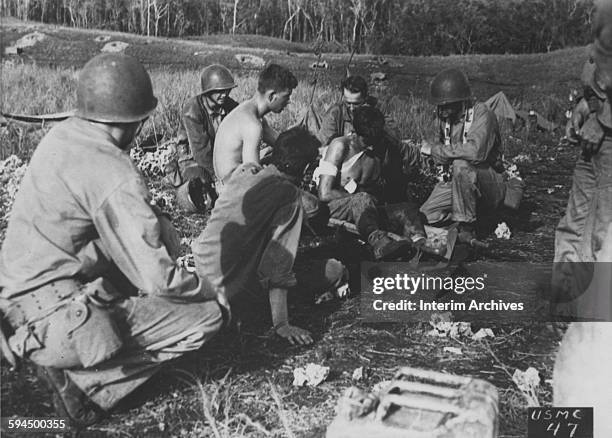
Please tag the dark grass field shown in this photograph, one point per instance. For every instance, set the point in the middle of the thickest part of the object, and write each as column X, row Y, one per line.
column 240, row 383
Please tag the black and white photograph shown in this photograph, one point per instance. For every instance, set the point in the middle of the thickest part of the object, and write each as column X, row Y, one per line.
column 306, row 218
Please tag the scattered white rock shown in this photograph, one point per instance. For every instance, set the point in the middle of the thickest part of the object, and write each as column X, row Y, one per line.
column 522, row 158
column 483, row 333
column 102, row 38
column 29, row 40
column 115, row 46
column 252, row 60
column 320, row 65
column 502, row 231
column 311, row 375
column 453, row 350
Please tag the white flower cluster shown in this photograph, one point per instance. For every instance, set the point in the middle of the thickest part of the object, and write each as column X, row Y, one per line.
column 154, row 163
column 502, row 231
column 11, row 171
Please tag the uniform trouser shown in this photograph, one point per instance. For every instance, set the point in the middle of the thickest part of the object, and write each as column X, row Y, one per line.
column 146, row 330
column 360, row 209
column 457, row 199
column 582, row 268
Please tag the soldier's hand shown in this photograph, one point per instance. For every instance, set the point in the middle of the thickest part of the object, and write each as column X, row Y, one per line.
column 295, row 335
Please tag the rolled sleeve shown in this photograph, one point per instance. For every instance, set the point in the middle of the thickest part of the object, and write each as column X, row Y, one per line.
column 131, row 233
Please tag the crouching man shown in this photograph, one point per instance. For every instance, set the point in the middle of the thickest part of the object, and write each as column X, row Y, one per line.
column 350, row 181
column 193, row 172
column 249, row 245
column 470, row 147
column 86, row 280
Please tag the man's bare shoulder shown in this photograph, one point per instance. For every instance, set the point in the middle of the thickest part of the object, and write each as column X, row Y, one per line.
column 336, row 151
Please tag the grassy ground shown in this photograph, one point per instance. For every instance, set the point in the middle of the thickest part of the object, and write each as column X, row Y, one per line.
column 240, row 385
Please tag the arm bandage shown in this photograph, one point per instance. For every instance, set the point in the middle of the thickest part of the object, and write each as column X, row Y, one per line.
column 327, row 168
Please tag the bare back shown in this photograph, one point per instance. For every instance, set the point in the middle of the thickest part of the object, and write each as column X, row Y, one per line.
column 237, row 140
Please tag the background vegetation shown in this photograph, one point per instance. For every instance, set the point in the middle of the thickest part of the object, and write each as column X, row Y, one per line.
column 240, row 384
column 409, row 27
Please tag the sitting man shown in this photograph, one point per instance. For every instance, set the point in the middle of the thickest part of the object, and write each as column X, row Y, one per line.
column 240, row 134
column 193, row 172
column 338, row 120
column 87, row 277
column 350, row 180
column 470, row 147
column 250, row 241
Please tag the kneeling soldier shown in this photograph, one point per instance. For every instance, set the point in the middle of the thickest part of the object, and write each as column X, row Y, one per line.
column 87, row 278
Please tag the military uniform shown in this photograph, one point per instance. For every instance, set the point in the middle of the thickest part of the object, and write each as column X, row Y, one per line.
column 250, row 241
column 86, row 279
column 471, row 149
column 581, row 287
column 197, row 134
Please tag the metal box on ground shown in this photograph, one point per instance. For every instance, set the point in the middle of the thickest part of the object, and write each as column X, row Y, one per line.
column 420, row 404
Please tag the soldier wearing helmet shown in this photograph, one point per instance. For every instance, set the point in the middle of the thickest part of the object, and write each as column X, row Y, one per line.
column 88, row 277
column 201, row 118
column 582, row 272
column 583, row 235
column 469, row 146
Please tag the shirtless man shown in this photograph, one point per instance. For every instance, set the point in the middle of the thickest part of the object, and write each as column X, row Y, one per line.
column 350, row 182
column 242, row 131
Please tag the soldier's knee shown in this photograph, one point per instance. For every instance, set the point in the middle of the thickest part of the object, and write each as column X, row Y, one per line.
column 463, row 172
column 203, row 327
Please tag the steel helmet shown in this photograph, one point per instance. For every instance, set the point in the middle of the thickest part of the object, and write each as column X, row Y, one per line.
column 114, row 88
column 450, row 86
column 216, row 77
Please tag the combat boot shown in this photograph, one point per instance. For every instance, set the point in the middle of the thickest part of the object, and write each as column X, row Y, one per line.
column 384, row 246
column 68, row 399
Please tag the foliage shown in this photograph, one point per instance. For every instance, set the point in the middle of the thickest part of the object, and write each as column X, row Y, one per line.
column 412, row 27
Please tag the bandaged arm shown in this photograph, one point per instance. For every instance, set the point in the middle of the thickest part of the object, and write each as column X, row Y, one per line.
column 328, row 186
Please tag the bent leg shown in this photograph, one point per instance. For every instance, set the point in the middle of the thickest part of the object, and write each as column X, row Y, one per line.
column 156, row 330
column 439, row 206
column 360, row 209
column 465, row 192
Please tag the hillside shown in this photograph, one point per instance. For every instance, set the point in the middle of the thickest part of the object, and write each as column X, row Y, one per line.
column 517, row 75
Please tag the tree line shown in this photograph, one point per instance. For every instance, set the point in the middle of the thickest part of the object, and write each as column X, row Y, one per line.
column 409, row 27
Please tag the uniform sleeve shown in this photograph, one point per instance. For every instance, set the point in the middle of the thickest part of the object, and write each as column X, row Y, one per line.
column 480, row 140
column 329, row 123
column 131, row 234
column 197, row 133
